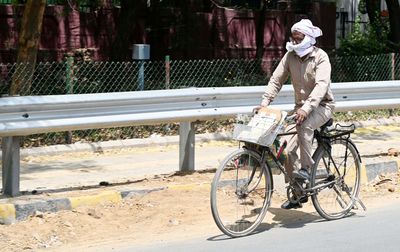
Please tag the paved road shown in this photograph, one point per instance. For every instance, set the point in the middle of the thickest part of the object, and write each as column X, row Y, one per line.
column 376, row 230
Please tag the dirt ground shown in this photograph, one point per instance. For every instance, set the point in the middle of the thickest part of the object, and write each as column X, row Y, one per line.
column 169, row 215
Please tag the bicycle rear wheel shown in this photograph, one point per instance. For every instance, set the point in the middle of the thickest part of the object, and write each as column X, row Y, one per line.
column 342, row 173
column 240, row 193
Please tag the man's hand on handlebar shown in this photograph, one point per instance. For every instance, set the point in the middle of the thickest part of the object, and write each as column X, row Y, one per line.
column 263, row 104
column 256, row 109
column 299, row 116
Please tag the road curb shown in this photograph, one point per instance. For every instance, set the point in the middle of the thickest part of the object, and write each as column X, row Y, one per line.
column 14, row 212
column 373, row 170
column 186, row 187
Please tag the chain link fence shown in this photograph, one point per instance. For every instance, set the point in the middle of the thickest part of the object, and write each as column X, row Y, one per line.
column 103, row 77
column 69, row 77
column 366, row 68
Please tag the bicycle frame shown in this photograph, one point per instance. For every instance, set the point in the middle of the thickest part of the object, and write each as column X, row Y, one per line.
column 323, row 141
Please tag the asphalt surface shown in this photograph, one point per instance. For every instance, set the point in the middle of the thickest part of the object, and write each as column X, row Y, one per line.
column 376, row 230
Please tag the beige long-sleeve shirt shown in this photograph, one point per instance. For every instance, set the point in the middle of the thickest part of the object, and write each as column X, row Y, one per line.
column 311, row 78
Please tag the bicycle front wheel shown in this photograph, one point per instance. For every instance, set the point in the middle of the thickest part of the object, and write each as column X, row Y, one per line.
column 338, row 176
column 240, row 193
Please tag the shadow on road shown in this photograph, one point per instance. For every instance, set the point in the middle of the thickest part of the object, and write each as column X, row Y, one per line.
column 283, row 218
column 292, row 218
column 262, row 228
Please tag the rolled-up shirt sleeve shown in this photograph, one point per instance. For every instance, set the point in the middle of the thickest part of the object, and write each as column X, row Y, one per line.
column 279, row 77
column 322, row 82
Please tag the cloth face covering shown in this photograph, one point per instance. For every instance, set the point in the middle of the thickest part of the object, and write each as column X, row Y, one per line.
column 302, row 49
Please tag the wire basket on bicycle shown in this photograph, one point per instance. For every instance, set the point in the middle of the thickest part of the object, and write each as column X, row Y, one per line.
column 262, row 128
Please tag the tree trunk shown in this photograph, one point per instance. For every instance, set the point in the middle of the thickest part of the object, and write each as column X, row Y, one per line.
column 260, row 31
column 125, row 25
column 394, row 14
column 186, row 25
column 28, row 44
column 373, row 7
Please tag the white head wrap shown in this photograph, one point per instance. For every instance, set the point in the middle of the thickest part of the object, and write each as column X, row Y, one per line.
column 310, row 33
column 307, row 28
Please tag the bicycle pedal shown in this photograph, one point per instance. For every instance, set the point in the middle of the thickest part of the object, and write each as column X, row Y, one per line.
column 330, row 178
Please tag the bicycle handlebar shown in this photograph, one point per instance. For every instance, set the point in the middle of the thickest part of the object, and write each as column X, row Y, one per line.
column 291, row 119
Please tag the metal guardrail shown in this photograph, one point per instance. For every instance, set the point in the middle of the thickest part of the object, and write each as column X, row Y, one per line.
column 27, row 115
column 40, row 114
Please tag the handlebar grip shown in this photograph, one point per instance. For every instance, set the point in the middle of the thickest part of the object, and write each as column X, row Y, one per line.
column 291, row 118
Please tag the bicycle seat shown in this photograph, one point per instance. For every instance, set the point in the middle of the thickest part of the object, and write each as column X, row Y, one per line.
column 327, row 124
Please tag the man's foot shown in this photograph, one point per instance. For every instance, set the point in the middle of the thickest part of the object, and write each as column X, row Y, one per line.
column 301, row 174
column 290, row 205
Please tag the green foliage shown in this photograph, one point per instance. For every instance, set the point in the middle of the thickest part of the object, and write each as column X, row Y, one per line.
column 362, row 7
column 361, row 43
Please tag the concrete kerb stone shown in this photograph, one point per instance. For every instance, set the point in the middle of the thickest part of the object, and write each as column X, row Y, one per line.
column 7, row 213
column 19, row 210
column 375, row 169
column 135, row 193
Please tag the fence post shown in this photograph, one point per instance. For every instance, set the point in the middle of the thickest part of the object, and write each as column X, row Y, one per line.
column 141, row 52
column 10, row 165
column 393, row 66
column 141, row 75
column 186, row 146
column 391, row 111
column 167, row 72
column 70, row 75
column 69, row 89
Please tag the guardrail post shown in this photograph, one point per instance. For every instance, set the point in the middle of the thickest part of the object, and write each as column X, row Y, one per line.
column 10, row 164
column 186, row 146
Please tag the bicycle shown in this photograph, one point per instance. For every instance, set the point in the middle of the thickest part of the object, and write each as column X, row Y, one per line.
column 242, row 187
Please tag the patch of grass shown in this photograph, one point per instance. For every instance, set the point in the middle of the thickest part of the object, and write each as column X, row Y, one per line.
column 365, row 115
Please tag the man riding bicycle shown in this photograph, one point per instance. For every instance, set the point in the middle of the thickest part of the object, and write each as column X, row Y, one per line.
column 310, row 72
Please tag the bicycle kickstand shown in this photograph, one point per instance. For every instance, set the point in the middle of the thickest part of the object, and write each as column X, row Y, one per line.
column 357, row 200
